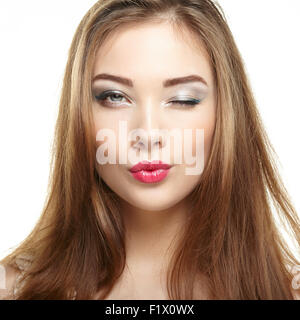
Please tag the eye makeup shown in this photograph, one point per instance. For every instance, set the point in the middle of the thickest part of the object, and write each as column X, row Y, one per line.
column 107, row 97
column 189, row 102
column 115, row 98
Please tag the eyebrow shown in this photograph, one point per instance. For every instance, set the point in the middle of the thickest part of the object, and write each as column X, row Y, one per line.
column 166, row 83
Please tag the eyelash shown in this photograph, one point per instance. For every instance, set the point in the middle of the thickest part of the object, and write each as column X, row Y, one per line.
column 186, row 103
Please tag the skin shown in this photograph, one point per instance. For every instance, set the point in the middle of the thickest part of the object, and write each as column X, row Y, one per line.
column 153, row 213
column 148, row 54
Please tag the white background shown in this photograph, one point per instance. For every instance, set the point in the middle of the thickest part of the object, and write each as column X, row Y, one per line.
column 35, row 37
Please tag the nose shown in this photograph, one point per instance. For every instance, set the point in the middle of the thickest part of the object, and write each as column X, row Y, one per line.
column 148, row 128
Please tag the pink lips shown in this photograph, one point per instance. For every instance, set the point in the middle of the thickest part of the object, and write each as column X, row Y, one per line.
column 150, row 172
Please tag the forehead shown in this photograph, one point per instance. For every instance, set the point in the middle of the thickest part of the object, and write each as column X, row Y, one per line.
column 154, row 51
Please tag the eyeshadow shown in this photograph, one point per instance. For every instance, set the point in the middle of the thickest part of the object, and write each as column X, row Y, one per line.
column 186, row 90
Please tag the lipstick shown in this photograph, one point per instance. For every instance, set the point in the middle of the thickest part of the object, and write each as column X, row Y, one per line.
column 150, row 172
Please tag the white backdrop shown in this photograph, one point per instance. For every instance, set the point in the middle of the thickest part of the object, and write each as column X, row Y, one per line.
column 35, row 37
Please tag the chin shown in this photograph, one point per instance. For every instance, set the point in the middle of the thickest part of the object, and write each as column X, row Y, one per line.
column 152, row 203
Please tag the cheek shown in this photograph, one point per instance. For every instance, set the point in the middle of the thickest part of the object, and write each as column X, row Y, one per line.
column 209, row 127
column 100, row 124
column 203, row 122
column 105, row 118
column 109, row 125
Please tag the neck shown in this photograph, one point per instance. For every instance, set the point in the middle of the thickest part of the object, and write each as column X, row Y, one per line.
column 150, row 236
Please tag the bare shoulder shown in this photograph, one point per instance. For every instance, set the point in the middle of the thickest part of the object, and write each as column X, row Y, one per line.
column 296, row 294
column 295, row 271
column 8, row 277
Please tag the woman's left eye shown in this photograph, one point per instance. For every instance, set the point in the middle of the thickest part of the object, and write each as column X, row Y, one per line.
column 187, row 102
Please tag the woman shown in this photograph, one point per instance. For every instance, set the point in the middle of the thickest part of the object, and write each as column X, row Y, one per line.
column 147, row 229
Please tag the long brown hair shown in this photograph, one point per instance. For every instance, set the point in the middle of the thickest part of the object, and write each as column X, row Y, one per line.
column 231, row 237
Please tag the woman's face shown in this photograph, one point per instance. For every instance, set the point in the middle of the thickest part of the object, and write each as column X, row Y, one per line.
column 148, row 55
